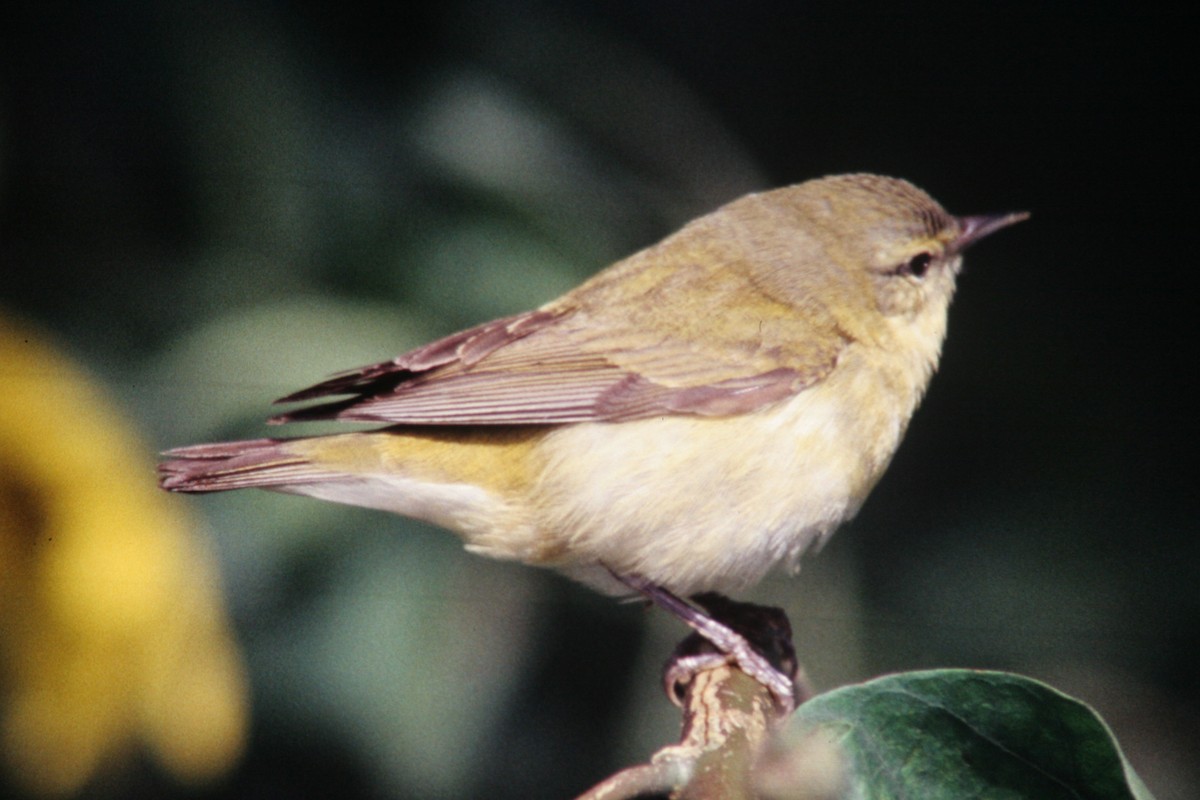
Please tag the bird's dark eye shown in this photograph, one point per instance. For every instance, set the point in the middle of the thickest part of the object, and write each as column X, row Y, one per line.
column 918, row 265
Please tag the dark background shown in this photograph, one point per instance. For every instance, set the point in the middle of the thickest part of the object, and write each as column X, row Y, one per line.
column 211, row 204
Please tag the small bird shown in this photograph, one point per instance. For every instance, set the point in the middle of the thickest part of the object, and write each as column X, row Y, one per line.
column 685, row 420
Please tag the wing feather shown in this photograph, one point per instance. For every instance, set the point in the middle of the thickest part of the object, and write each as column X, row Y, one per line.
column 577, row 361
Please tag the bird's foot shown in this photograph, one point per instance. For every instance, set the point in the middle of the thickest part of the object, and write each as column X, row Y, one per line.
column 758, row 639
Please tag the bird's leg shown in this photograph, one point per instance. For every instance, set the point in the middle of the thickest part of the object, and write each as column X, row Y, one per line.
column 768, row 627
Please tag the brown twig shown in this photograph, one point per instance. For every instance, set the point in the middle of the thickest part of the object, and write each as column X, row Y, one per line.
column 727, row 715
column 726, row 718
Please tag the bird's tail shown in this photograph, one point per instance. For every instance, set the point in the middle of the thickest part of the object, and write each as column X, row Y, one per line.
column 254, row 463
column 450, row 477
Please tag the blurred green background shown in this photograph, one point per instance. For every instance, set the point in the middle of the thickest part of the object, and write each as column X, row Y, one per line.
column 208, row 205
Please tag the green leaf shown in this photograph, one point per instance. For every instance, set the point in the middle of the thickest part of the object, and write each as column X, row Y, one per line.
column 964, row 734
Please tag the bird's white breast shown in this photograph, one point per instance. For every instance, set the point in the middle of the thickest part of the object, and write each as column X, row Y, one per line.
column 713, row 503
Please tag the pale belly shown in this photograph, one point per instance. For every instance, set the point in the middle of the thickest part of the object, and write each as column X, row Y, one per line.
column 691, row 503
column 700, row 504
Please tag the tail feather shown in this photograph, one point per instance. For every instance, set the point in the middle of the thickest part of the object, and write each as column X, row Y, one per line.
column 255, row 463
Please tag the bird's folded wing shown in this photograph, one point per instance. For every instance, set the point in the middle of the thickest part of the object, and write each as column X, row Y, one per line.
column 554, row 366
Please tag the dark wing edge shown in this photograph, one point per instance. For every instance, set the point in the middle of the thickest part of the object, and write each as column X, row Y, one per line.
column 638, row 398
column 465, row 348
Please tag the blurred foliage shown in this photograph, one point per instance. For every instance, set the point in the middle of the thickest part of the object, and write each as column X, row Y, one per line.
column 214, row 204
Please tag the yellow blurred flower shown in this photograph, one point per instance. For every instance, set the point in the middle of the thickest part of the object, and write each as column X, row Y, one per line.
column 112, row 631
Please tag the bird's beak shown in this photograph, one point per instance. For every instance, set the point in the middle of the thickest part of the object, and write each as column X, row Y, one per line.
column 974, row 228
